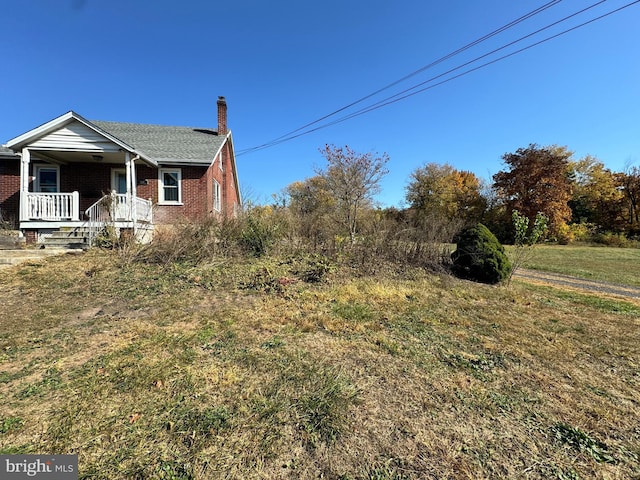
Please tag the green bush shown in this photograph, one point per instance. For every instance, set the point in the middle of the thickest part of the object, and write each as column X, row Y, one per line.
column 259, row 234
column 480, row 257
column 611, row 239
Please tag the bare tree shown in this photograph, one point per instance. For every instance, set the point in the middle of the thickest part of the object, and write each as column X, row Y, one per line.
column 353, row 179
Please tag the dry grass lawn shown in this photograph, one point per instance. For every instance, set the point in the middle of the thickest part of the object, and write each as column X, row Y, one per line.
column 241, row 370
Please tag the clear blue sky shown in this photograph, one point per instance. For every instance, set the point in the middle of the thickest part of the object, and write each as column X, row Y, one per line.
column 284, row 63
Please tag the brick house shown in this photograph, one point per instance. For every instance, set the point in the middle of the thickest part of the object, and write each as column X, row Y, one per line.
column 72, row 174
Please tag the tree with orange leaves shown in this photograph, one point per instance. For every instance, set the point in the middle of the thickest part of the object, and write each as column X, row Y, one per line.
column 538, row 180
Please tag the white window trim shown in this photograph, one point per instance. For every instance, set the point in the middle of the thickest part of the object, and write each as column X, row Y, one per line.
column 161, row 200
column 217, row 196
column 220, row 162
column 36, row 172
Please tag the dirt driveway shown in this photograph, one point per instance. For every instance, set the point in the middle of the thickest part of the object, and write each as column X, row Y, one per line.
column 535, row 276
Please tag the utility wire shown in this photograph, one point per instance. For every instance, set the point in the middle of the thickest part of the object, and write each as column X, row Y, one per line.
column 388, row 100
column 409, row 92
column 404, row 94
column 432, row 64
column 416, row 72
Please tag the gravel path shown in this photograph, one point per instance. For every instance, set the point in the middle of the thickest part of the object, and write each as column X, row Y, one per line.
column 578, row 283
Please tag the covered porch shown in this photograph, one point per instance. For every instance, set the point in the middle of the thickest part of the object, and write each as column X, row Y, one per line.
column 96, row 188
column 72, row 174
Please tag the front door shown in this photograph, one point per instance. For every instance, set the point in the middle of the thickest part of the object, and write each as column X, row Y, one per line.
column 119, row 185
column 47, row 179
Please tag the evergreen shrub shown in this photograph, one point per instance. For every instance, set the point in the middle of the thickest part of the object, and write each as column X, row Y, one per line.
column 480, row 257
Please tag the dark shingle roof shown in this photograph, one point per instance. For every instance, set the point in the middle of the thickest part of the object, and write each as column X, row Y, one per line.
column 7, row 153
column 166, row 144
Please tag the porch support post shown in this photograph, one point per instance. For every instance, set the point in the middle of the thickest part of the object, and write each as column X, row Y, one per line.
column 75, row 206
column 134, row 180
column 24, row 184
column 134, row 196
column 127, row 165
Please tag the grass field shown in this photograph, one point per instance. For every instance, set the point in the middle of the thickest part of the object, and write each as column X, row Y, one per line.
column 616, row 265
column 242, row 370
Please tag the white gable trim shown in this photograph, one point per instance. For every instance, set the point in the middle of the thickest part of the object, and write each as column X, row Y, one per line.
column 38, row 133
column 232, row 159
column 219, row 152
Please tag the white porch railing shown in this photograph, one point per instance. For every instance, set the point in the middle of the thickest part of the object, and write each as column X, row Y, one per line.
column 51, row 206
column 115, row 207
column 144, row 210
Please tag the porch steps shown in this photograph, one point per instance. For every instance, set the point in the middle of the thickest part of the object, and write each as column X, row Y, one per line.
column 68, row 238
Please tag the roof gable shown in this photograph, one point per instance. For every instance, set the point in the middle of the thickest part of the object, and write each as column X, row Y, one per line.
column 75, row 135
column 51, row 134
column 155, row 144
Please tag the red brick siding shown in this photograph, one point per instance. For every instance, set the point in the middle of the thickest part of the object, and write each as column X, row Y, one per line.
column 10, row 189
column 227, row 183
column 91, row 181
column 31, row 236
column 147, row 187
column 194, row 197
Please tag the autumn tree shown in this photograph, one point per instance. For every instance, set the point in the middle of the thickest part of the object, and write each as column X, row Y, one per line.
column 629, row 184
column 538, row 180
column 596, row 197
column 353, row 180
column 445, row 191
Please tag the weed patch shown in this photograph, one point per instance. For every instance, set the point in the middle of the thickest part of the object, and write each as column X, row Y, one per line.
column 353, row 312
column 8, row 424
column 478, row 365
column 582, row 442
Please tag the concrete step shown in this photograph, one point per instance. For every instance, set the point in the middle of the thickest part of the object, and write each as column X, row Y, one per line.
column 11, row 239
column 51, row 243
column 14, row 257
column 71, row 233
column 71, row 238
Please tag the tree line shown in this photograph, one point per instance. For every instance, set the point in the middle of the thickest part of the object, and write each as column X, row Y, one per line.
column 582, row 199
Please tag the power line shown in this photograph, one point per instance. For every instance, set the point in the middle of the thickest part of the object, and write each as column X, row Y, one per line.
column 404, row 94
column 416, row 72
column 430, row 65
column 409, row 92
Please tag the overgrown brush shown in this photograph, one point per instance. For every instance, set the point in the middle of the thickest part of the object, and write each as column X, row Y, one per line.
column 403, row 242
column 383, row 242
column 193, row 241
column 259, row 231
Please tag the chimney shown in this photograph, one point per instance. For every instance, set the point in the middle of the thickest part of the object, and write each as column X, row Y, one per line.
column 222, row 116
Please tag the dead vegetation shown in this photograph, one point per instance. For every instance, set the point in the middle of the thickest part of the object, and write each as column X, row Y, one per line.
column 292, row 367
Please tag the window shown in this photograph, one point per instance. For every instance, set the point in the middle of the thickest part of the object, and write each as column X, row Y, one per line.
column 169, row 186
column 47, row 179
column 217, row 199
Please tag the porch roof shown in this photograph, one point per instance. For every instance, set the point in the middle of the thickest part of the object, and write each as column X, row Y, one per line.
column 72, row 134
column 155, row 144
column 7, row 153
